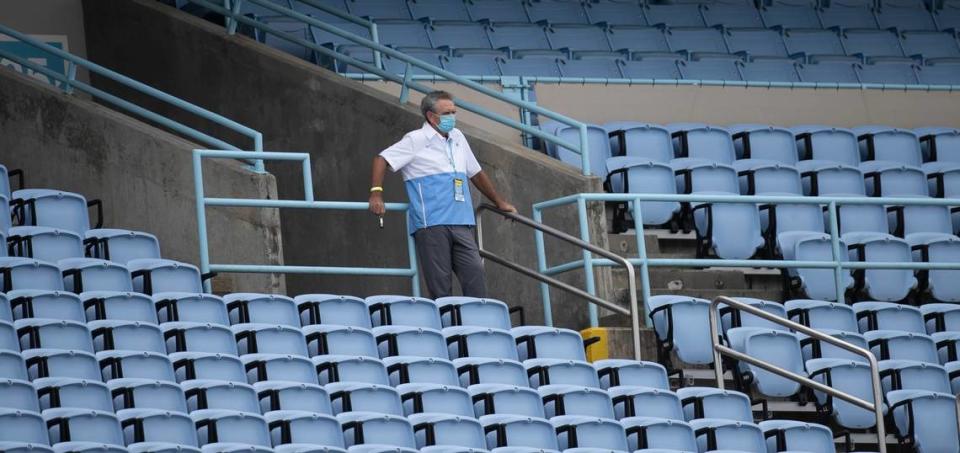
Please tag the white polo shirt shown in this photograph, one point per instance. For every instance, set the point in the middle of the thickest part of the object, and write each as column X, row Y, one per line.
column 430, row 164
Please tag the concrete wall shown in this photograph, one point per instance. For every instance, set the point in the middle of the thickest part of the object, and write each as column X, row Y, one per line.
column 342, row 124
column 58, row 18
column 143, row 176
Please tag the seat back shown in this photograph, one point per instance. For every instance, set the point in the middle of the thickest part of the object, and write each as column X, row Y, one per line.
column 333, row 309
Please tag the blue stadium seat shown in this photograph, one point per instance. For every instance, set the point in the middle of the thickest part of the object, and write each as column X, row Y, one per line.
column 712, row 67
column 732, row 318
column 90, row 274
column 97, row 447
column 12, row 365
column 191, row 307
column 903, row 72
column 642, row 176
column 605, row 66
column 111, row 335
column 198, row 337
column 635, row 401
column 51, row 208
column 289, row 27
column 934, row 139
column 410, row 341
column 665, row 66
column 361, row 397
column 475, row 62
column 160, row 275
column 333, row 309
column 266, row 367
column 771, row 70
column 773, row 346
column 709, row 402
column 434, row 57
column 517, row 36
column 887, row 143
column 211, row 394
column 598, row 142
column 71, row 392
column 129, row 393
column 22, row 426
column 899, row 345
column 118, row 305
column 29, row 303
column 479, row 370
column 559, row 400
column 888, row 316
column 535, row 342
column 254, row 338
column 459, row 35
column 827, row 144
column 436, row 399
column 497, row 11
column 768, row 177
column 343, row 340
column 205, row 365
column 292, row 396
column 947, row 343
column 9, row 339
column 638, row 40
column 720, row 434
column 577, row 38
column 5, row 220
column 790, row 14
column 939, row 285
column 24, row 447
column 216, row 426
column 372, row 428
column 669, row 312
column 927, row 419
column 913, row 375
column 617, row 372
column 696, row 41
column 379, row 9
column 576, row 431
column 154, row 428
column 117, row 364
column 518, row 431
column 756, row 42
column 121, row 246
column 674, row 14
column 830, row 72
column 421, row 370
column 807, row 43
column 533, row 65
column 82, row 425
column 506, row 399
column 652, row 434
column 889, row 285
column 19, row 395
column 643, row 140
column 439, row 10
column 44, row 243
column 816, row 349
column 940, row 317
column 4, row 181
column 696, row 141
column 615, row 13
column 480, row 342
column 783, row 435
column 448, row 431
column 36, row 333
column 946, row 73
column 818, row 314
column 731, row 14
column 26, row 273
column 472, row 311
column 346, row 368
column 558, row 371
column 262, row 308
column 71, row 363
column 299, row 430
column 872, row 44
column 403, row 311
column 848, row 14
column 929, row 45
column 905, row 18
column 556, row 12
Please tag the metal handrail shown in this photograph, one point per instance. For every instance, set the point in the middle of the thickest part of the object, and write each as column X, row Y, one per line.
column 406, row 80
column 70, row 82
column 721, row 350
column 633, row 312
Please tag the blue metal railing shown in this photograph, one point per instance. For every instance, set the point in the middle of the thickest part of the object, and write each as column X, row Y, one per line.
column 69, row 82
column 838, row 263
column 202, row 202
column 233, row 16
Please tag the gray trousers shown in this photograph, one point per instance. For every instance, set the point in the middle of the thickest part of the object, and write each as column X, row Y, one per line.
column 445, row 250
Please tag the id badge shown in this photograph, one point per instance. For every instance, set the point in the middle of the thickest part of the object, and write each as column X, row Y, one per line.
column 458, row 190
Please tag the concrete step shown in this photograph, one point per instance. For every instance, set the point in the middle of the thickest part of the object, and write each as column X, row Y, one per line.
column 687, row 278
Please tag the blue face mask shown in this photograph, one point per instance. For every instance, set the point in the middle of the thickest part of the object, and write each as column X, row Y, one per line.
column 447, row 123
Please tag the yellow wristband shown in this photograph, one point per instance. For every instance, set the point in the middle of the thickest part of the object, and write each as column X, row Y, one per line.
column 376, row 189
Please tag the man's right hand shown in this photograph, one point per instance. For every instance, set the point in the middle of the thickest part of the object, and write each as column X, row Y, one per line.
column 376, row 204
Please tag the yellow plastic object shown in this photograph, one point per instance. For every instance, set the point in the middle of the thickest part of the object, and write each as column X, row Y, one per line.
column 599, row 350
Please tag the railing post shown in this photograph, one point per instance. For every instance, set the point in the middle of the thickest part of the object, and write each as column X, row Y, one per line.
column 230, row 21
column 201, row 217
column 589, row 281
column 258, row 148
column 71, row 76
column 644, row 263
column 584, row 150
column 837, row 253
column 412, row 254
column 712, row 318
column 375, row 37
column 405, row 87
column 542, row 267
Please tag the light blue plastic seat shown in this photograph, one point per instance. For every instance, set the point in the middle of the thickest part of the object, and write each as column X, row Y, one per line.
column 756, row 41
column 348, row 368
column 939, row 143
column 118, row 364
column 215, row 426
column 266, row 367
column 159, row 275
column 885, row 143
column 615, row 13
column 732, row 318
column 518, row 35
column 878, row 284
column 82, row 425
column 813, row 348
column 913, row 375
column 372, row 428
column 712, row 67
column 459, row 34
column 773, row 346
column 536, row 342
column 576, row 431
column 889, row 316
column 497, row 11
column 435, row 398
column 941, row 317
column 728, row 230
column 518, row 431
column 434, row 57
column 899, row 345
column 22, row 426
column 830, row 72
column 94, row 447
column 41, row 363
column 890, row 72
column 953, row 370
column 556, row 12
column 603, row 66
column 709, row 143
column 668, row 313
column 639, row 175
column 929, row 44
column 52, row 208
column 768, row 177
column 940, row 73
column 472, row 311
column 9, row 338
column 205, row 365
column 928, row 419
column 790, row 14
column 254, row 338
column 191, row 307
column 19, row 395
column 664, row 66
column 771, row 70
column 824, row 143
column 598, row 142
column 30, row 303
column 379, row 9
column 480, row 370
column 872, row 43
column 44, row 243
column 125, row 305
column 731, row 15
column 292, row 396
column 129, row 393
column 506, row 399
column 300, row 430
column 850, row 14
column 809, row 42
column 709, row 402
column 720, row 434
column 26, row 273
column 475, row 62
column 574, row 38
column 360, row 397
column 642, row 140
column 111, row 335
column 154, row 425
column 558, row 371
column 447, row 430
column 403, row 311
column 616, row 372
column 121, row 246
column 674, row 14
column 410, row 341
column 12, row 365
column 469, row 341
column 24, row 447
column 198, row 337
column 658, row 435
column 797, row 436
column 635, row 401
column 638, row 38
column 333, row 309
column 561, row 400
column 341, row 340
column 5, row 220
column 439, row 10
column 53, row 334
column 262, row 308
column 421, row 370
column 209, row 394
column 71, row 392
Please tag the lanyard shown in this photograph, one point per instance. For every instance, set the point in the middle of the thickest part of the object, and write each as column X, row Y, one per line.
column 450, row 154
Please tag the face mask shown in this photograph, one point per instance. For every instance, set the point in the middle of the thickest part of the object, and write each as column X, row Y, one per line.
column 447, row 123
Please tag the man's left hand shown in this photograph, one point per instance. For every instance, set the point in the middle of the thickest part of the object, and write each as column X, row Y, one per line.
column 506, row 207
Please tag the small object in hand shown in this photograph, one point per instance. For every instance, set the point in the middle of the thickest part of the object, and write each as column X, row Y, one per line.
column 381, row 222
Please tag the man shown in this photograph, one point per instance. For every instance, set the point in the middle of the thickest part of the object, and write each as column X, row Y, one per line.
column 435, row 161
